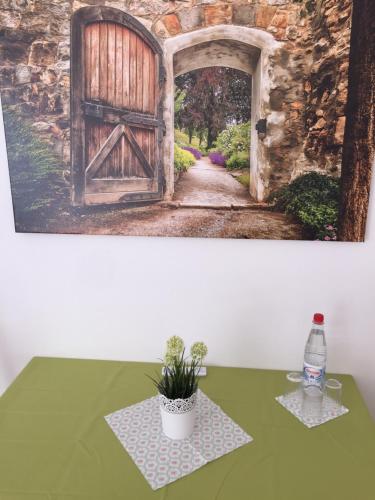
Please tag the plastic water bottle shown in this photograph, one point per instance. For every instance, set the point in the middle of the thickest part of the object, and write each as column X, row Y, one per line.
column 314, row 366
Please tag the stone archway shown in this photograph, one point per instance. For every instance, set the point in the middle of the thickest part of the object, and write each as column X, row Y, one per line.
column 246, row 49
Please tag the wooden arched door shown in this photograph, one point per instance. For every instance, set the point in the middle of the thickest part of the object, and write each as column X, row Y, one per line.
column 116, row 116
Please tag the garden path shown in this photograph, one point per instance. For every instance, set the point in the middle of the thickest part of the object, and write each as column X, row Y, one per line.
column 206, row 185
column 156, row 220
column 211, row 203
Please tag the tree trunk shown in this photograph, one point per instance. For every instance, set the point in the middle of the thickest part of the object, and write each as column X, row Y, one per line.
column 190, row 135
column 359, row 140
column 200, row 137
column 210, row 138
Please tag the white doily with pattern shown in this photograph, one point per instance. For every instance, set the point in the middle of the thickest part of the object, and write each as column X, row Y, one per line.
column 293, row 403
column 178, row 405
column 162, row 460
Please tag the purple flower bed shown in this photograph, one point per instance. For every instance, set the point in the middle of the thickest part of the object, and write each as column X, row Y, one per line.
column 217, row 158
column 197, row 154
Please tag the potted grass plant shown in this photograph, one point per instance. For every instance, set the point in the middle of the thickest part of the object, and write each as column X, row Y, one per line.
column 178, row 386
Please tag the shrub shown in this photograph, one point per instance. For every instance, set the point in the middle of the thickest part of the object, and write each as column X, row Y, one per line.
column 238, row 160
column 234, row 139
column 182, row 159
column 182, row 139
column 314, row 199
column 244, row 179
column 35, row 170
column 217, row 158
column 197, row 154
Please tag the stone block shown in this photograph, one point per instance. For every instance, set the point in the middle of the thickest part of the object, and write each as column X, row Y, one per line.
column 293, row 115
column 160, row 30
column 39, row 24
column 10, row 19
column 218, row 14
column 146, row 22
column 63, row 66
column 43, row 53
column 291, row 33
column 17, row 5
column 293, row 17
column 296, row 105
column 280, row 20
column 320, row 124
column 15, row 46
column 264, row 15
column 307, row 86
column 64, row 50
column 172, row 23
column 278, row 33
column 96, row 2
column 41, row 126
column 277, row 99
column 7, row 76
column 191, row 18
column 8, row 96
column 144, row 7
column 48, row 77
column 23, row 74
column 342, row 97
column 340, row 130
column 244, row 15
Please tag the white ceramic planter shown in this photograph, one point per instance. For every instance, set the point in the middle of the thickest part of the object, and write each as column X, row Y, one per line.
column 178, row 416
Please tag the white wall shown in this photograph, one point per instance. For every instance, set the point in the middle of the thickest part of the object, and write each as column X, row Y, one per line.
column 121, row 297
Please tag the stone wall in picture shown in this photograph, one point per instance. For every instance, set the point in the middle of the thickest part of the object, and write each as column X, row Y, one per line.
column 309, row 71
column 326, row 84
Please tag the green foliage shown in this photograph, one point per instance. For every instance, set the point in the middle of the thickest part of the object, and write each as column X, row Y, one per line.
column 35, row 170
column 182, row 139
column 234, row 139
column 244, row 179
column 213, row 97
column 182, row 159
column 180, row 378
column 314, row 199
column 179, row 98
column 238, row 161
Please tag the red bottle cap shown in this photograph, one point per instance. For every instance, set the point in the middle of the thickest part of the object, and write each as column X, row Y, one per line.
column 318, row 318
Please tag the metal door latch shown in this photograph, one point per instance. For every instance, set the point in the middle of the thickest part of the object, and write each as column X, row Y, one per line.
column 261, row 128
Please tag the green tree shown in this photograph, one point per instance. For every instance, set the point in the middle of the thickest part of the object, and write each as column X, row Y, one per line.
column 213, row 98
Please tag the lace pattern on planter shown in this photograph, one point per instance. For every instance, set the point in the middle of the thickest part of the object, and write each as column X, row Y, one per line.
column 178, row 405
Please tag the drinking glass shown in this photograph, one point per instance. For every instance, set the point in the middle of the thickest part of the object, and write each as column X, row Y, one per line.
column 332, row 394
column 312, row 403
column 293, row 383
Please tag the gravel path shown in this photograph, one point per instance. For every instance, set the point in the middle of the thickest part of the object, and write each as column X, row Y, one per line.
column 203, row 186
column 155, row 220
column 207, row 185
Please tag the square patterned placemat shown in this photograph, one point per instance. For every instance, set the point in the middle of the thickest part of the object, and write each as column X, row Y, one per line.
column 162, row 460
column 293, row 403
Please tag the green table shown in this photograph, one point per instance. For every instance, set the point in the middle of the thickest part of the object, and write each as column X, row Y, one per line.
column 55, row 444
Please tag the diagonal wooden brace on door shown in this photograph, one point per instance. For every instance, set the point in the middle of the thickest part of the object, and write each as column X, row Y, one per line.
column 108, row 146
column 137, row 150
column 104, row 151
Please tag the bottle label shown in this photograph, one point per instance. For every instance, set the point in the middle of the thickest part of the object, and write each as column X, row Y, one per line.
column 313, row 375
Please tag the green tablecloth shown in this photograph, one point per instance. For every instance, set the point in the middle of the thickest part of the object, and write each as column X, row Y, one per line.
column 55, row 444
